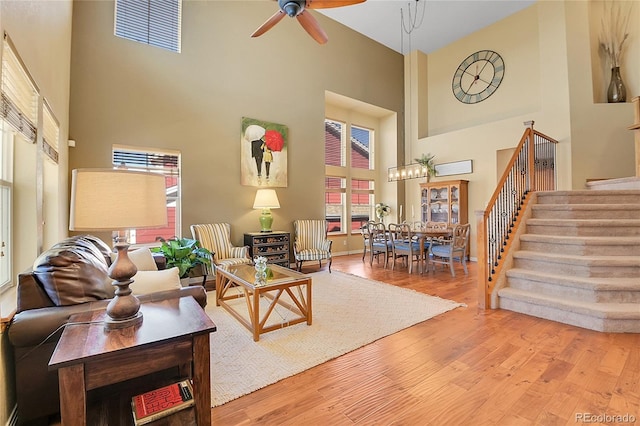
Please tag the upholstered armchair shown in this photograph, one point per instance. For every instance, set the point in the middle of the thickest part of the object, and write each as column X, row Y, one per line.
column 311, row 242
column 216, row 237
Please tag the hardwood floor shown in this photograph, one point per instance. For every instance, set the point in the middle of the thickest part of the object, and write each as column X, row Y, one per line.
column 465, row 366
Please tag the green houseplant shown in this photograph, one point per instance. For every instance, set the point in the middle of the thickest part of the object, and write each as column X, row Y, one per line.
column 426, row 160
column 186, row 254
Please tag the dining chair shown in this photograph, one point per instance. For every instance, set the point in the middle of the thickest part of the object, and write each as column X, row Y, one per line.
column 403, row 244
column 448, row 250
column 379, row 243
column 366, row 235
column 439, row 226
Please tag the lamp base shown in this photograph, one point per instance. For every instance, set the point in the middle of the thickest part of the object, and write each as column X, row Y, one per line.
column 114, row 324
column 124, row 309
column 266, row 220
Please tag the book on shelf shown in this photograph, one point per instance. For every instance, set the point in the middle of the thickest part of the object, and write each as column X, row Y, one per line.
column 161, row 402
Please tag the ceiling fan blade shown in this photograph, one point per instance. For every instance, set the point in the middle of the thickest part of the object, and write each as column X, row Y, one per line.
column 270, row 23
column 311, row 26
column 326, row 4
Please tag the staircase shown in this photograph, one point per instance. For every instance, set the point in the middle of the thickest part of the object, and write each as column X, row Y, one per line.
column 579, row 261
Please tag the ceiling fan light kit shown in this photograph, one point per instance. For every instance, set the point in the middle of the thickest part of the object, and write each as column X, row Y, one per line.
column 296, row 9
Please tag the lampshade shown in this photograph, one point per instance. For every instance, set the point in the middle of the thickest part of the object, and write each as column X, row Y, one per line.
column 110, row 199
column 266, row 199
column 114, row 200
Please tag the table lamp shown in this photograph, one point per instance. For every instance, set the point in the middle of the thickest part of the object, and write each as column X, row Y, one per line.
column 266, row 199
column 117, row 200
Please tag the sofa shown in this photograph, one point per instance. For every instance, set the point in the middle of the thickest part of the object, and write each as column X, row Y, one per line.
column 69, row 278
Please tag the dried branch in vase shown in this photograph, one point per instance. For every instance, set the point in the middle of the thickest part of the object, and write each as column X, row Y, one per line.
column 615, row 23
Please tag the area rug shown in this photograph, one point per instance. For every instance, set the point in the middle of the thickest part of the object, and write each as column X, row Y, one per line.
column 348, row 313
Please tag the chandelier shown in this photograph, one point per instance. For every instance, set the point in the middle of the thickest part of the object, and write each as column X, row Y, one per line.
column 409, row 171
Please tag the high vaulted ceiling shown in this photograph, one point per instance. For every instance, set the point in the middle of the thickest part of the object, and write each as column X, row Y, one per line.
column 442, row 21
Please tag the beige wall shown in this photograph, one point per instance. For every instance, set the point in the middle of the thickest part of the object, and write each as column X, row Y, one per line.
column 547, row 51
column 127, row 93
column 41, row 33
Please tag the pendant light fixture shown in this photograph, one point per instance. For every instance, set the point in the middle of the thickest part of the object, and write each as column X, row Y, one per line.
column 414, row 21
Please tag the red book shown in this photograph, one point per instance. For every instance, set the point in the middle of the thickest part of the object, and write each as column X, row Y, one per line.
column 161, row 402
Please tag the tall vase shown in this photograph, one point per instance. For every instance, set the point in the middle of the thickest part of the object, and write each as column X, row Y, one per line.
column 617, row 92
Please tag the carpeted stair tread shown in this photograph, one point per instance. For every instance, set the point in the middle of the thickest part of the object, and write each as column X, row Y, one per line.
column 587, row 206
column 628, row 311
column 591, row 283
column 582, row 240
column 579, row 260
column 621, row 196
column 586, row 211
column 585, row 222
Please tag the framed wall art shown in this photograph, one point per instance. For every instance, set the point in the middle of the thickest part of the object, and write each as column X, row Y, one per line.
column 263, row 153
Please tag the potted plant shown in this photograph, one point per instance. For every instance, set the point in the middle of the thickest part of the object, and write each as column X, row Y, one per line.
column 426, row 160
column 187, row 255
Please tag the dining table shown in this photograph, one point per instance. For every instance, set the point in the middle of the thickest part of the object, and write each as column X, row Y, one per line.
column 422, row 234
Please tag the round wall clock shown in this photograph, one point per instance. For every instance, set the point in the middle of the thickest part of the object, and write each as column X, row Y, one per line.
column 478, row 76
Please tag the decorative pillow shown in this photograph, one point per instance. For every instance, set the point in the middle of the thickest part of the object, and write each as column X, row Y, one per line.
column 145, row 282
column 142, row 258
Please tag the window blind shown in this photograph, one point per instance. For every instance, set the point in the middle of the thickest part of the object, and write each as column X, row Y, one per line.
column 51, row 133
column 153, row 22
column 18, row 93
column 158, row 161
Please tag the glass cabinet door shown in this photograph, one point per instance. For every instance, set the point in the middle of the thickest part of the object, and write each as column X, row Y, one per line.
column 424, row 205
column 455, row 204
column 439, row 204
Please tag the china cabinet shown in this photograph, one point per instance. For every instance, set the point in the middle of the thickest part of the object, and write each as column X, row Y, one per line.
column 444, row 201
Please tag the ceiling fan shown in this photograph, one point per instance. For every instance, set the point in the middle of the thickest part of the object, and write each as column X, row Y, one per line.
column 296, row 8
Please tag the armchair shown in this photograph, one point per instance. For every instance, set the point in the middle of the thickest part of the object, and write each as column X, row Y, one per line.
column 216, row 237
column 311, row 242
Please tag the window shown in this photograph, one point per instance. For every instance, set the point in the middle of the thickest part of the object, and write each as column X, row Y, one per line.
column 353, row 204
column 362, row 196
column 361, row 153
column 153, row 22
column 18, row 119
column 334, row 144
column 335, row 196
column 166, row 163
column 6, row 188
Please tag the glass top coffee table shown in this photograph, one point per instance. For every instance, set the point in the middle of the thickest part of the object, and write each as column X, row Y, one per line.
column 284, row 298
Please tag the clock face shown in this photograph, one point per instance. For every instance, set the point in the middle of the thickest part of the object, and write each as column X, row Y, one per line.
column 478, row 76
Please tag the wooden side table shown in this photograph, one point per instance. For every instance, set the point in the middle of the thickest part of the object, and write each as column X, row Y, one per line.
column 173, row 332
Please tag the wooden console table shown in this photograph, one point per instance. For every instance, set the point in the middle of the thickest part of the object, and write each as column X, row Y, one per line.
column 173, row 333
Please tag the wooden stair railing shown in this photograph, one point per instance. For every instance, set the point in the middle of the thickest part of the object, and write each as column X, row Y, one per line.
column 531, row 168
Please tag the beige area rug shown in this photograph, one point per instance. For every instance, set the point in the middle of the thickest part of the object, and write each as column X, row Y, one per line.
column 348, row 312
